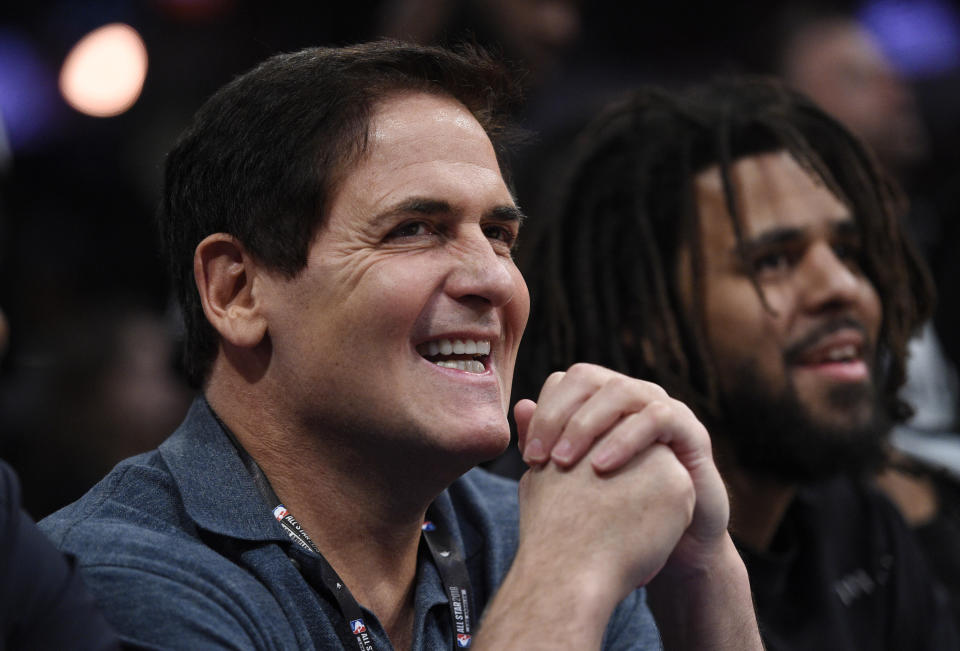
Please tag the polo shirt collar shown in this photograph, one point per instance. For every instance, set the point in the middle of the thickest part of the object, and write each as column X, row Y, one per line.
column 218, row 493
column 220, row 496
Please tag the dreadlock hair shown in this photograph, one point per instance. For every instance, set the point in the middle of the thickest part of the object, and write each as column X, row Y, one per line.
column 607, row 289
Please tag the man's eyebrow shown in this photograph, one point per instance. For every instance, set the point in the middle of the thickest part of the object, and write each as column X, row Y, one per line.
column 425, row 206
column 507, row 213
column 847, row 228
column 412, row 205
column 420, row 205
column 777, row 236
column 772, row 237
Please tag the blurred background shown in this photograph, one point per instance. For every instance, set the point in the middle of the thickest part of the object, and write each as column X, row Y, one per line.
column 94, row 92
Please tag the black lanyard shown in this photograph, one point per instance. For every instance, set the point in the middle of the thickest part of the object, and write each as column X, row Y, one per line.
column 446, row 555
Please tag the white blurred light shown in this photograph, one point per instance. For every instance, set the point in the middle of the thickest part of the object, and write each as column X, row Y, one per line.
column 104, row 73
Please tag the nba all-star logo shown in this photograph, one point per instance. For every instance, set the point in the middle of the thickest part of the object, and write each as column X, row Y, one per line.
column 464, row 640
column 360, row 632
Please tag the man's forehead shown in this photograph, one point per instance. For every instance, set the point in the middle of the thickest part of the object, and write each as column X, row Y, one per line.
column 402, row 115
column 755, row 169
column 770, row 189
column 422, row 149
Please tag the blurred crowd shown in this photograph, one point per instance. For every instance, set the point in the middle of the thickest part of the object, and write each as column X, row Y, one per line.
column 91, row 372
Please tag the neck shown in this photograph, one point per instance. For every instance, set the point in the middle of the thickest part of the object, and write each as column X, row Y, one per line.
column 364, row 518
column 757, row 507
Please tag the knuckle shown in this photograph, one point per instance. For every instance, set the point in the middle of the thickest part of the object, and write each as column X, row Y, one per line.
column 621, row 384
column 577, row 423
column 555, row 377
column 583, row 371
column 688, row 412
column 659, row 411
column 660, row 416
column 656, row 391
column 552, row 380
column 692, row 424
column 699, row 434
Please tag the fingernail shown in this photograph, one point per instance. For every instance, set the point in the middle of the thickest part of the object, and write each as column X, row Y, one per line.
column 563, row 452
column 534, row 451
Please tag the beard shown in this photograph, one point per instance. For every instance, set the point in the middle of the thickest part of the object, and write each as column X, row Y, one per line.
column 772, row 435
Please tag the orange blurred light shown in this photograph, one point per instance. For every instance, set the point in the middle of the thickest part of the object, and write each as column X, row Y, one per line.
column 104, row 73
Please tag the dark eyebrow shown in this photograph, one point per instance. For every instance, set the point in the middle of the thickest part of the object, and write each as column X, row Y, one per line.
column 778, row 236
column 847, row 228
column 421, row 206
column 507, row 214
column 413, row 205
column 425, row 206
column 772, row 237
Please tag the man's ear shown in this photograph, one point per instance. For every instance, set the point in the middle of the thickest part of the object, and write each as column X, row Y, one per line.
column 225, row 275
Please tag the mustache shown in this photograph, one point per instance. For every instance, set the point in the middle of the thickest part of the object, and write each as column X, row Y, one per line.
column 795, row 351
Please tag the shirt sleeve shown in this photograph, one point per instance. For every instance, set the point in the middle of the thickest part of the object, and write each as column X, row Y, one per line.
column 164, row 612
column 44, row 603
column 632, row 627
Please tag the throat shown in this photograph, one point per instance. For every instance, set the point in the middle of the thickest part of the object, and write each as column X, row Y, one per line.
column 399, row 623
column 757, row 507
column 381, row 576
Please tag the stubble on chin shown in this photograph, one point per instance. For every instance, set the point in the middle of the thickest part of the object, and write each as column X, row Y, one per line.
column 772, row 434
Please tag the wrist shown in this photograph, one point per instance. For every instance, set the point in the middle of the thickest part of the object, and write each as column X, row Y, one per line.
column 709, row 561
column 542, row 604
column 584, row 591
column 707, row 603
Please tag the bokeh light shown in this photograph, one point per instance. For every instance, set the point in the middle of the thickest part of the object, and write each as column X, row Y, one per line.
column 28, row 93
column 103, row 74
column 921, row 37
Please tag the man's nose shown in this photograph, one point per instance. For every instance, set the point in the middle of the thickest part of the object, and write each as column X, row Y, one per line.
column 829, row 280
column 480, row 271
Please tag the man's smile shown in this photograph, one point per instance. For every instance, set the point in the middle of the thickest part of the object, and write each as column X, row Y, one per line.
column 470, row 355
column 836, row 350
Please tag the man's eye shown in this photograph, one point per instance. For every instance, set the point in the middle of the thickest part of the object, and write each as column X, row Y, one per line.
column 410, row 229
column 771, row 262
column 502, row 233
column 847, row 251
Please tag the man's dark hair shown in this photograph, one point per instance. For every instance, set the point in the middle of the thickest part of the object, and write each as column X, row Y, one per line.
column 605, row 284
column 263, row 154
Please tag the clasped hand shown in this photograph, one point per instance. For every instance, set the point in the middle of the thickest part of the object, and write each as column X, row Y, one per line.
column 622, row 482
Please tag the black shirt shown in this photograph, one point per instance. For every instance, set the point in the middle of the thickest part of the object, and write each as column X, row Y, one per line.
column 43, row 603
column 844, row 572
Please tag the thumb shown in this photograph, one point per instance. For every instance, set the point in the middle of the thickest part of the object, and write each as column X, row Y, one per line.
column 523, row 413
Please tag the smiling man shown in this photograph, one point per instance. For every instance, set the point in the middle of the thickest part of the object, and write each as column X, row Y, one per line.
column 340, row 236
column 740, row 248
column 799, row 358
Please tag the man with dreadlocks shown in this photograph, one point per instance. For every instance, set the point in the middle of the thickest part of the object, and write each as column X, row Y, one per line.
column 739, row 247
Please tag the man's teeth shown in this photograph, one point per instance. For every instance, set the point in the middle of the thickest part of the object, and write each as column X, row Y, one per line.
column 446, row 348
column 458, row 347
column 468, row 365
column 841, row 353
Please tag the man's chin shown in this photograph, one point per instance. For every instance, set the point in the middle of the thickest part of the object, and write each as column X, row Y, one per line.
column 477, row 443
column 784, row 438
column 858, row 454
